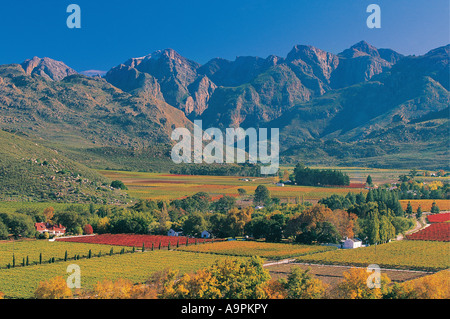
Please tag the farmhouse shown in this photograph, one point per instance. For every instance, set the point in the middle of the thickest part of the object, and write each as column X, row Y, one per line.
column 56, row 230
column 350, row 243
column 171, row 232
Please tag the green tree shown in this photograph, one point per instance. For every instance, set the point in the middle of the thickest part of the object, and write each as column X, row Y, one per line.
column 21, row 225
column 118, row 185
column 194, row 224
column 369, row 180
column 261, row 196
column 3, row 230
column 434, row 208
column 409, row 209
column 419, row 212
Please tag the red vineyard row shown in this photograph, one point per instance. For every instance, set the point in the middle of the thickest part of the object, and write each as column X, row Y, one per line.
column 437, row 232
column 137, row 240
column 439, row 218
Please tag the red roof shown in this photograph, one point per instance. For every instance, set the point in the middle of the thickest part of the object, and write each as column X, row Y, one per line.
column 40, row 226
column 47, row 226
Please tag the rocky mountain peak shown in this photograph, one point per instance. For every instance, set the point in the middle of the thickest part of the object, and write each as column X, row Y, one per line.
column 47, row 68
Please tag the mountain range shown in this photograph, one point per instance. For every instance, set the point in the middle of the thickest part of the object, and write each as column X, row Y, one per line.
column 363, row 106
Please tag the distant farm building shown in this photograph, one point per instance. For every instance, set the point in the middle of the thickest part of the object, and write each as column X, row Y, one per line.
column 56, row 230
column 350, row 243
column 174, row 233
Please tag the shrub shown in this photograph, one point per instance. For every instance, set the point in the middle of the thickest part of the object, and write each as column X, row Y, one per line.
column 55, row 288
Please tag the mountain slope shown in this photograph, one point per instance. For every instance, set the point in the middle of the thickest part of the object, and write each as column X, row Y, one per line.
column 249, row 90
column 30, row 171
column 47, row 68
column 388, row 116
column 85, row 114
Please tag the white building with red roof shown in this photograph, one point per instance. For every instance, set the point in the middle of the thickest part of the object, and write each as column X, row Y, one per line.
column 56, row 230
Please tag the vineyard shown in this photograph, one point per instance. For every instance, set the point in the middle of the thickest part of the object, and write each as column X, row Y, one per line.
column 252, row 248
column 439, row 218
column 425, row 204
column 136, row 240
column 434, row 232
column 41, row 251
column 22, row 282
column 405, row 254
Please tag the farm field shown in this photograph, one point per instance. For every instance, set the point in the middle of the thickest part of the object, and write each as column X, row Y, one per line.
column 33, row 248
column 261, row 249
column 22, row 282
column 405, row 254
column 439, row 218
column 379, row 175
column 425, row 204
column 135, row 240
column 435, row 232
column 169, row 186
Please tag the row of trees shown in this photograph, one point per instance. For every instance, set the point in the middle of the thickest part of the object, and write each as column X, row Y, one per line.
column 246, row 169
column 413, row 189
column 318, row 177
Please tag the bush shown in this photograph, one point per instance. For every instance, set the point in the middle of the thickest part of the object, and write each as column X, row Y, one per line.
column 55, row 288
column 118, row 185
column 88, row 230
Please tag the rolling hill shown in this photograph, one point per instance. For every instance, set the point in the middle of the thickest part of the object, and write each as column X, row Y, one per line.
column 32, row 172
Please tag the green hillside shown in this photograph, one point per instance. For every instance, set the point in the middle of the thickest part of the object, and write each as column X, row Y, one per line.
column 32, row 172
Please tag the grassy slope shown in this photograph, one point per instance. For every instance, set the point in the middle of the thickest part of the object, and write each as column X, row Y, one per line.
column 30, row 171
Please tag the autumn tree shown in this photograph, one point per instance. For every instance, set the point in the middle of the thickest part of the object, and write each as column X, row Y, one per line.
column 313, row 225
column 119, row 289
column 87, row 230
column 434, row 286
column 354, row 285
column 301, row 285
column 49, row 212
column 55, row 288
column 226, row 279
column 237, row 219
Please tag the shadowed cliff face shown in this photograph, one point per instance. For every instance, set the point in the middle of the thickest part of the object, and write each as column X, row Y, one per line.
column 249, row 90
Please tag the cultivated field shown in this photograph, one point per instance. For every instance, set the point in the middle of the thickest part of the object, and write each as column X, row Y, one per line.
column 168, row 186
column 425, row 204
column 33, row 248
column 405, row 254
column 434, row 232
column 261, row 249
column 136, row 240
column 22, row 282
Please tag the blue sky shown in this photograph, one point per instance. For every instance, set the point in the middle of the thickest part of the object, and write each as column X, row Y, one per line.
column 113, row 31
